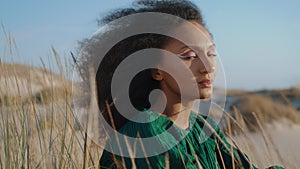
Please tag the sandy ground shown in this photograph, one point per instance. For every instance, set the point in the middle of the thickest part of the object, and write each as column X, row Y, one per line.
column 280, row 146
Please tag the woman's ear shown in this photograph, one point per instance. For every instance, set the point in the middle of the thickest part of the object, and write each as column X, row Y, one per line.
column 157, row 74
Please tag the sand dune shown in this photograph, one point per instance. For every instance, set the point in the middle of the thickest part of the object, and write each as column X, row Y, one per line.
column 18, row 80
column 280, row 146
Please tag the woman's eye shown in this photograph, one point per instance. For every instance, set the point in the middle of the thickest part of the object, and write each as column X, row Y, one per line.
column 211, row 54
column 188, row 55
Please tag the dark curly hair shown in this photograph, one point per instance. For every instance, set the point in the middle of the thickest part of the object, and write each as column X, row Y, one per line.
column 142, row 84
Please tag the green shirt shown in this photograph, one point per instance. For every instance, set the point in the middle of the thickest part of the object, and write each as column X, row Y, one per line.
column 201, row 146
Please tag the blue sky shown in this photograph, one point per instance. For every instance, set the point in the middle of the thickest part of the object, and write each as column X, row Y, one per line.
column 258, row 40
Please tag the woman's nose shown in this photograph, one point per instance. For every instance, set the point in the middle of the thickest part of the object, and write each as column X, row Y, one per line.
column 207, row 66
column 208, row 69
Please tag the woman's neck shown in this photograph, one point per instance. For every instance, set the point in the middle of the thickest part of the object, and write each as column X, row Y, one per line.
column 179, row 113
column 176, row 108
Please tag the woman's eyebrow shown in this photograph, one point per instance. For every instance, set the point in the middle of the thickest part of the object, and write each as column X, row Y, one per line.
column 212, row 45
column 185, row 46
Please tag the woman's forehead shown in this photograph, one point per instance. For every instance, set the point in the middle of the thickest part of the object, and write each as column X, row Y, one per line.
column 202, row 28
column 192, row 34
column 196, row 38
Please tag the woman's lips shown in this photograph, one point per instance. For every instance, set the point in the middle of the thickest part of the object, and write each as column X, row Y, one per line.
column 205, row 84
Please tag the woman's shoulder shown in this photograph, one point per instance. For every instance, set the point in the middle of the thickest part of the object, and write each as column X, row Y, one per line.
column 148, row 124
column 145, row 124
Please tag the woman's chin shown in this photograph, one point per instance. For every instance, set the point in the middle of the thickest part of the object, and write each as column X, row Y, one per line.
column 205, row 93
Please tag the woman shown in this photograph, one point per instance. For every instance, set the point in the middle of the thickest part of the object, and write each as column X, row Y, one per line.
column 164, row 132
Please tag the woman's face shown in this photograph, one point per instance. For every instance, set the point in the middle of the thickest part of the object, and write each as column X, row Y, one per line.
column 199, row 58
